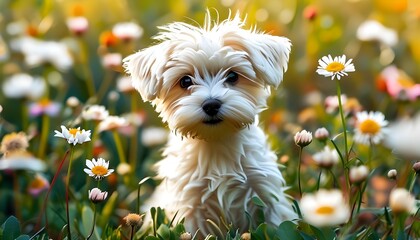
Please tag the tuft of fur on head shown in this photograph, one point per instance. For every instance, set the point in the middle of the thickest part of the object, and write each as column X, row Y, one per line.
column 207, row 55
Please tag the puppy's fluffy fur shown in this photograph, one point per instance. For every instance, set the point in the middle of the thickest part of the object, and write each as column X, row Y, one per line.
column 209, row 84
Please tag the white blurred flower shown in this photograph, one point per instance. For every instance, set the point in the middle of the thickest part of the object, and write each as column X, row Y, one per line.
column 336, row 67
column 303, row 138
column 112, row 123
column 373, row 30
column 400, row 201
column 96, row 195
column 331, row 103
column 23, row 85
column 73, row 135
column 326, row 158
column 73, row 102
column 369, row 127
column 358, row 174
column 22, row 160
column 95, row 112
column 154, row 136
column 403, row 137
column 112, row 60
column 124, row 84
column 123, row 169
column 324, row 208
column 127, row 31
column 78, row 25
column 98, row 169
column 37, row 52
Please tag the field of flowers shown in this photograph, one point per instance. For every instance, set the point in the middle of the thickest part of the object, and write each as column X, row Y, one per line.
column 78, row 143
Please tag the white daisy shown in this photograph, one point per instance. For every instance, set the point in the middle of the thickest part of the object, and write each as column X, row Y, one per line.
column 98, row 169
column 370, row 127
column 325, row 208
column 336, row 67
column 73, row 135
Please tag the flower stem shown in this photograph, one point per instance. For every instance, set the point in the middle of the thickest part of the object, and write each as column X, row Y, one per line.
column 67, row 193
column 413, row 181
column 343, row 122
column 119, row 147
column 298, row 173
column 44, row 135
column 49, row 191
column 132, row 233
column 94, row 222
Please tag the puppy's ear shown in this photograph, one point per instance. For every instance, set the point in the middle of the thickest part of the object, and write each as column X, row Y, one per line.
column 269, row 56
column 146, row 68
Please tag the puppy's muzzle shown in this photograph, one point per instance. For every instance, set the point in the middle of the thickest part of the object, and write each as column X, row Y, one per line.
column 212, row 107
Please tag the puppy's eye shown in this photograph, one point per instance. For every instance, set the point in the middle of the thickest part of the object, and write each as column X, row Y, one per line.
column 232, row 77
column 185, row 82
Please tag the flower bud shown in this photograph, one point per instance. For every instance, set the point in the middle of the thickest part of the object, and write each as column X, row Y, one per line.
column 96, row 195
column 322, row 134
column 416, row 167
column 185, row 236
column 133, row 220
column 392, row 174
column 303, row 138
column 358, row 174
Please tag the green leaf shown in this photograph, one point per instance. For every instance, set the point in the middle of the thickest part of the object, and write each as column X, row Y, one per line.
column 151, row 238
column 164, row 232
column 23, row 237
column 288, row 230
column 11, row 228
column 325, row 233
column 87, row 220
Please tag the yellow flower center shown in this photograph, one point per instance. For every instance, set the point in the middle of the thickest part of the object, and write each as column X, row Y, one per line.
column 99, row 170
column 369, row 126
column 37, row 183
column 44, row 102
column 335, row 67
column 73, row 131
column 406, row 82
column 325, row 210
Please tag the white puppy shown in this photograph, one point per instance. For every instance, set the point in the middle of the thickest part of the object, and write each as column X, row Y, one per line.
column 209, row 84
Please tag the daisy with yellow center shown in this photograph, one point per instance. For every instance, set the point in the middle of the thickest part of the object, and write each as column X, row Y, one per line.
column 324, row 208
column 98, row 169
column 370, row 127
column 336, row 67
column 73, row 135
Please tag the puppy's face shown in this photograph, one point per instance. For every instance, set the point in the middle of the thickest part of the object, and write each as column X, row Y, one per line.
column 209, row 82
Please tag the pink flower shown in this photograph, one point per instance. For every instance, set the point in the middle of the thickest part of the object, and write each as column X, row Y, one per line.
column 38, row 185
column 399, row 85
column 44, row 106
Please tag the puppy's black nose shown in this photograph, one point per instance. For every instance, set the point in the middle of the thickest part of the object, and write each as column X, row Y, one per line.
column 211, row 106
